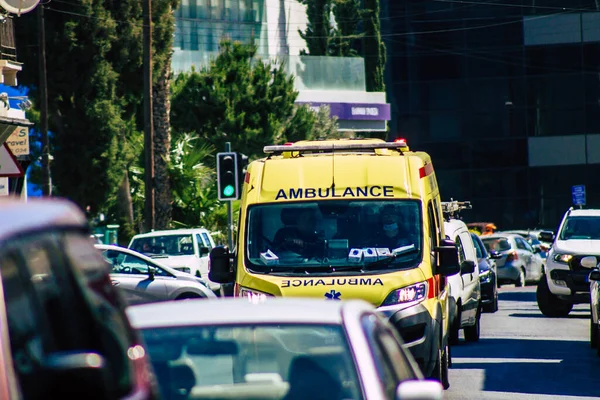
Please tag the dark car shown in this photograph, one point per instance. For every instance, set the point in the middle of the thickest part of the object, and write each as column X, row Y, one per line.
column 487, row 276
column 62, row 322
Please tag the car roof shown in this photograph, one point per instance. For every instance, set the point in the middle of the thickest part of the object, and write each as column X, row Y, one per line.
column 227, row 311
column 18, row 216
column 166, row 232
column 585, row 213
column 454, row 225
column 499, row 235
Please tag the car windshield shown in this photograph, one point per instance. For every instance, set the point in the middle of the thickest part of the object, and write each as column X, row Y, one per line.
column 587, row 227
column 253, row 361
column 334, row 234
column 168, row 245
column 496, row 244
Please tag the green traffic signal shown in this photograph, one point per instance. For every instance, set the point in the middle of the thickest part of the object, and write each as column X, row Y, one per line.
column 228, row 190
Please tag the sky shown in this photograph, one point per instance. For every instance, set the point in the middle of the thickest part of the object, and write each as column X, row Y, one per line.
column 32, row 189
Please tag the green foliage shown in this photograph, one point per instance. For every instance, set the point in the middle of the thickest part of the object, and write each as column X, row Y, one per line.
column 238, row 99
column 318, row 33
column 325, row 127
column 193, row 188
column 374, row 48
column 347, row 15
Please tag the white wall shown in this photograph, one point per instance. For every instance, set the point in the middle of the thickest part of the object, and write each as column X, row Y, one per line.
column 283, row 36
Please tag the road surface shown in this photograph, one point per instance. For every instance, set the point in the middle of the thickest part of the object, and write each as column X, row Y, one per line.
column 524, row 355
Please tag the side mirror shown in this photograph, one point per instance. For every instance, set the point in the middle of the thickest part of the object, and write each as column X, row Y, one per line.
column 151, row 273
column 219, row 269
column 447, row 258
column 420, row 390
column 467, row 267
column 536, row 249
column 494, row 255
column 595, row 275
column 204, row 251
column 546, row 236
column 78, row 375
column 589, row 262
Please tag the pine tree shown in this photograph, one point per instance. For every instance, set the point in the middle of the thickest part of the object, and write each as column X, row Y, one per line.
column 373, row 47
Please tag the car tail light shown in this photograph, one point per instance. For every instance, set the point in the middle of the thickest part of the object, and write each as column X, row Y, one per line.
column 512, row 256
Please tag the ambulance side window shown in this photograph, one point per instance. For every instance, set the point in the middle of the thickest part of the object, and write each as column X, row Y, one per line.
column 433, row 232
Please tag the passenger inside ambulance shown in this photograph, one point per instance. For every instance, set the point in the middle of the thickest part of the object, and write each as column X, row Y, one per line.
column 393, row 233
column 299, row 233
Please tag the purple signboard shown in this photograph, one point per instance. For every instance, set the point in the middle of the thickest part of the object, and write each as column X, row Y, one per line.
column 355, row 111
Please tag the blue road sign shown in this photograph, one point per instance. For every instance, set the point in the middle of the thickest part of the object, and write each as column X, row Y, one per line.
column 578, row 193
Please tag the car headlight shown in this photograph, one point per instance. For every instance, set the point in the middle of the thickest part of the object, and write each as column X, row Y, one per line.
column 412, row 294
column 253, row 295
column 485, row 276
column 562, row 258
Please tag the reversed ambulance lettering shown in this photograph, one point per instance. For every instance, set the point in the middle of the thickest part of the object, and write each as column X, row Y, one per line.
column 331, row 282
column 323, row 193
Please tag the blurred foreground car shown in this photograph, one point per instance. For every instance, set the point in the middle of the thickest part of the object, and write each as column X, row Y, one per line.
column 63, row 329
column 278, row 348
column 143, row 280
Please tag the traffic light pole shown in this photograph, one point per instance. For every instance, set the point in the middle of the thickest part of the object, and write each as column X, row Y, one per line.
column 229, row 211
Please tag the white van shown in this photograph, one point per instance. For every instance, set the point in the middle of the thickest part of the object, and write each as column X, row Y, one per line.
column 185, row 250
column 465, row 288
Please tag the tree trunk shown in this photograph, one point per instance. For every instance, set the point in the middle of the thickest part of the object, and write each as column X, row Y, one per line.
column 125, row 207
column 162, row 147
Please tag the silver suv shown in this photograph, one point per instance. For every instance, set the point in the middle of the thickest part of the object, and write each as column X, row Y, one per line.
column 566, row 281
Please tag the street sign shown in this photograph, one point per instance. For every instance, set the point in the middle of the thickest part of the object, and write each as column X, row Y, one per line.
column 9, row 166
column 578, row 193
column 18, row 141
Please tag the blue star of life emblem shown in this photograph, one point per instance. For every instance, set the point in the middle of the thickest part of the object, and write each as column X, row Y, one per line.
column 333, row 295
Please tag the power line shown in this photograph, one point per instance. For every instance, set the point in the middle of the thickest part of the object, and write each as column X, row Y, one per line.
column 517, row 21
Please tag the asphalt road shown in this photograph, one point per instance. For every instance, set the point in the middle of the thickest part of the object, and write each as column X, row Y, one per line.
column 524, row 355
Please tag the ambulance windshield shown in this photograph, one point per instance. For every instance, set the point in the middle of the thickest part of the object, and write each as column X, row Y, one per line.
column 337, row 235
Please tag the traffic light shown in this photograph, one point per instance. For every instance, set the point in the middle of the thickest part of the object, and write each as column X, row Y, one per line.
column 227, row 176
column 242, row 164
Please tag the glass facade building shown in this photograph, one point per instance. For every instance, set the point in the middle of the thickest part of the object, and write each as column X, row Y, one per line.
column 504, row 96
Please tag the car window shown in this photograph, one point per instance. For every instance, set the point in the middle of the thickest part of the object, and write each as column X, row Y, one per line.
column 395, row 353
column 112, row 334
column 123, row 263
column 385, row 367
column 201, row 243
column 461, row 249
column 26, row 325
column 521, row 244
column 527, row 245
column 275, row 361
column 207, row 242
column 478, row 248
column 496, row 244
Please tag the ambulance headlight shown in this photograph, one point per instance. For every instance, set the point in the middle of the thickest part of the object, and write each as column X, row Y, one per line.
column 254, row 295
column 412, row 294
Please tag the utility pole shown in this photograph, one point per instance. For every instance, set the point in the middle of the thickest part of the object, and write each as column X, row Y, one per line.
column 46, row 177
column 229, row 210
column 148, row 117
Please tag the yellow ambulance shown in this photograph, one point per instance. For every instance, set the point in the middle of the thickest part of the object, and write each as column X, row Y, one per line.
column 348, row 219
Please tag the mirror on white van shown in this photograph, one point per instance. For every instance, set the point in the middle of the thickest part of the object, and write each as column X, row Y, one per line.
column 589, row 262
column 420, row 390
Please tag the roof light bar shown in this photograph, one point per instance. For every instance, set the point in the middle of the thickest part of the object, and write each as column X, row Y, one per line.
column 334, row 147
